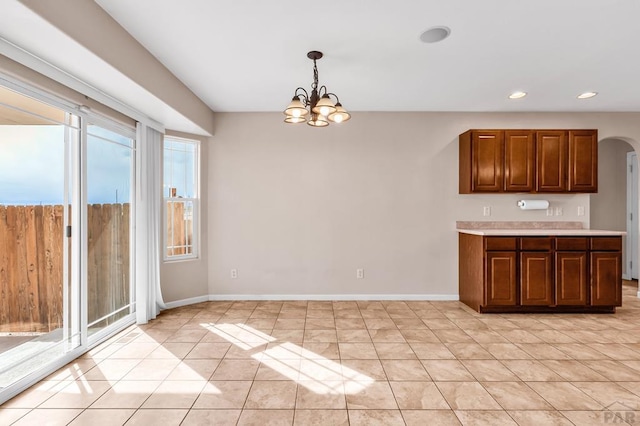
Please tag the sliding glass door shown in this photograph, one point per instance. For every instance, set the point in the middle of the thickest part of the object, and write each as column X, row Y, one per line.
column 110, row 165
column 66, row 240
column 39, row 284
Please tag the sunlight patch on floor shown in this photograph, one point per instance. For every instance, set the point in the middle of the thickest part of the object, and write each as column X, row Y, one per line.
column 241, row 335
column 317, row 373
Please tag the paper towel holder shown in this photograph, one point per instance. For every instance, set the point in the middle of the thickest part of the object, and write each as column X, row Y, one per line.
column 533, row 204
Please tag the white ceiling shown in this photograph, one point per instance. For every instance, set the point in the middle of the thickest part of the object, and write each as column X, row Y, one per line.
column 250, row 55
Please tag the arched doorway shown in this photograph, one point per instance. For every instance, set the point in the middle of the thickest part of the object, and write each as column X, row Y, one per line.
column 612, row 206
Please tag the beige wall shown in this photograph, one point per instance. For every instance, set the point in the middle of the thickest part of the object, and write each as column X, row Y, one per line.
column 609, row 205
column 188, row 279
column 297, row 210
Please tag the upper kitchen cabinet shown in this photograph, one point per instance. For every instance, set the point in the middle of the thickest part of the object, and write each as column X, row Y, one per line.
column 481, row 161
column 514, row 160
column 551, row 164
column 519, row 160
column 583, row 161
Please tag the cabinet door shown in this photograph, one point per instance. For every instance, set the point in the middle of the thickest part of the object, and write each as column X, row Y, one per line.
column 571, row 278
column 500, row 278
column 551, row 161
column 606, row 278
column 583, row 161
column 536, row 279
column 519, row 160
column 487, row 147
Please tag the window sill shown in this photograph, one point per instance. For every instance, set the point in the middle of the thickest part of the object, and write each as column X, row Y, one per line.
column 178, row 259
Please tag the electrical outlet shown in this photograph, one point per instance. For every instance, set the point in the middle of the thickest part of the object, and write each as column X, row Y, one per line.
column 558, row 211
column 580, row 210
column 234, row 273
column 550, row 211
column 359, row 274
column 486, row 211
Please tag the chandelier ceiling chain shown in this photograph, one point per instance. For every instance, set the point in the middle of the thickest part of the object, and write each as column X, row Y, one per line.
column 318, row 108
column 314, row 85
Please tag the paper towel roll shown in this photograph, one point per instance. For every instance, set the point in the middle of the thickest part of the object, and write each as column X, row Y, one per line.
column 533, row 204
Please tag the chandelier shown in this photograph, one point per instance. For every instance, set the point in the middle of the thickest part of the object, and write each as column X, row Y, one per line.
column 318, row 108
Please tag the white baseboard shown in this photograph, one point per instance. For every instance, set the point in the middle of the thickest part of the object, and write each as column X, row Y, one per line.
column 412, row 297
column 189, row 301
column 341, row 297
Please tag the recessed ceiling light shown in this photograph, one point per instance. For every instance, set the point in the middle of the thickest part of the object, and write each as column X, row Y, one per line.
column 517, row 95
column 587, row 95
column 435, row 34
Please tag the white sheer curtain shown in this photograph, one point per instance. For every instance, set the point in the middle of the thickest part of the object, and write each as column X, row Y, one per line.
column 148, row 223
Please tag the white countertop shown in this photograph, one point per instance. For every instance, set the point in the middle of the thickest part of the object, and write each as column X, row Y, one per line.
column 543, row 232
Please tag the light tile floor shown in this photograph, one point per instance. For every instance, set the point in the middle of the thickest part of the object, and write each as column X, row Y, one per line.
column 357, row 363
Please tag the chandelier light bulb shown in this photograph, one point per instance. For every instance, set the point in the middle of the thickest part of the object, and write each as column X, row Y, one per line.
column 325, row 106
column 340, row 115
column 294, row 120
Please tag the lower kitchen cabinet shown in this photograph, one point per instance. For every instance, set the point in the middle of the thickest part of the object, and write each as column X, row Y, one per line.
column 501, row 278
column 571, row 278
column 536, row 279
column 606, row 267
column 540, row 274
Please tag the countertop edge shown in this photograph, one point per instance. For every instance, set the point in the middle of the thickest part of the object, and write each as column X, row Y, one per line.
column 543, row 232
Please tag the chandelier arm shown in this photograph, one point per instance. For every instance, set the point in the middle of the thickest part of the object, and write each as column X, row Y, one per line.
column 334, row 95
column 305, row 96
column 320, row 91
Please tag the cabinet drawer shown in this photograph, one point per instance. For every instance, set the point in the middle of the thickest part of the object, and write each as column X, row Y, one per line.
column 536, row 243
column 606, row 243
column 499, row 243
column 572, row 243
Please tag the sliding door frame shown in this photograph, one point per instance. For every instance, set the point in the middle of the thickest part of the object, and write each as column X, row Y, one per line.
column 76, row 268
column 90, row 118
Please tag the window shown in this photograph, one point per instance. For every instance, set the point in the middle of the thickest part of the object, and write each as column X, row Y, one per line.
column 181, row 198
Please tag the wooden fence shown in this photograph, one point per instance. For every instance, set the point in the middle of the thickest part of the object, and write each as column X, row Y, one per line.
column 32, row 256
column 108, row 261
column 31, row 265
column 30, row 268
column 179, row 229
